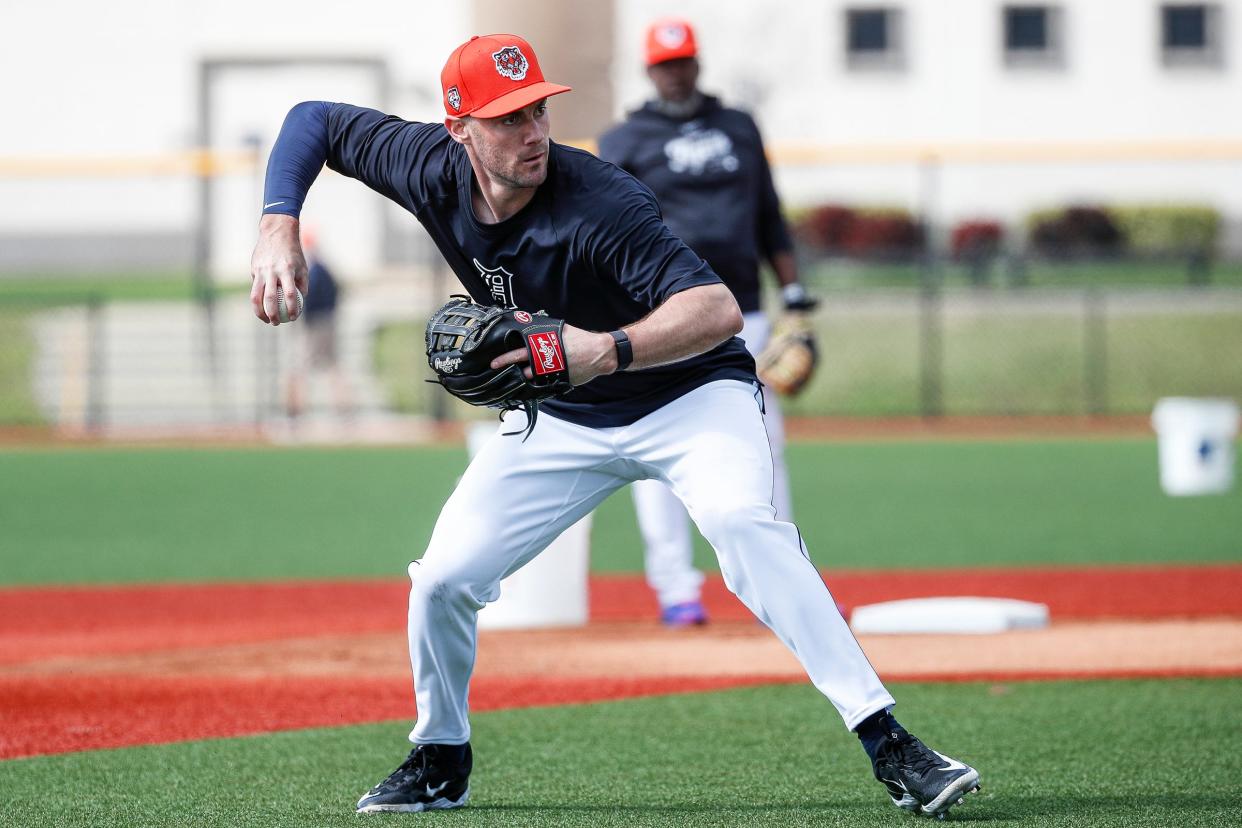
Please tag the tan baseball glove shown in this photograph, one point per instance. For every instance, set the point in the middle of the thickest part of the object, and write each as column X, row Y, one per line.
column 788, row 361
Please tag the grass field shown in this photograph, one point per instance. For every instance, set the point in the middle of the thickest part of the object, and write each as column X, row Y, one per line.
column 240, row 514
column 1096, row 754
column 1110, row 753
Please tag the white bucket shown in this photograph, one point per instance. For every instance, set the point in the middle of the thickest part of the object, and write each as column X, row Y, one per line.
column 1196, row 444
column 551, row 590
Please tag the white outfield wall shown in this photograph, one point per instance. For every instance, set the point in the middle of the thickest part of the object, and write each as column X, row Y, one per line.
column 785, row 61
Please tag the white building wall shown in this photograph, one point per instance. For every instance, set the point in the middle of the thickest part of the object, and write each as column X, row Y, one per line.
column 785, row 60
column 119, row 80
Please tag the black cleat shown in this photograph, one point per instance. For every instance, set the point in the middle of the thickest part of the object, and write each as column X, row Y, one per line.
column 918, row 778
column 431, row 778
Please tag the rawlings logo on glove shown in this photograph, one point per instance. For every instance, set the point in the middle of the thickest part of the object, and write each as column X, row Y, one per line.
column 446, row 366
column 464, row 337
column 547, row 347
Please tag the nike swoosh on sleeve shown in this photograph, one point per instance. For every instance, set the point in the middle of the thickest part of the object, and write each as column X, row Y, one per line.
column 273, row 204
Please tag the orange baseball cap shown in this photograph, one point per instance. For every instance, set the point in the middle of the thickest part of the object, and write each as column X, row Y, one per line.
column 493, row 75
column 670, row 39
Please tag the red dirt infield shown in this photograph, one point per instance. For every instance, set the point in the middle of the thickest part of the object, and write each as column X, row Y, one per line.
column 94, row 667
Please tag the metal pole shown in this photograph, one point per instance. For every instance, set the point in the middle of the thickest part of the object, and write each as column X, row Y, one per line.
column 203, row 286
column 1198, row 268
column 275, row 369
column 260, row 384
column 931, row 327
column 96, row 365
column 1095, row 352
column 931, row 348
column 439, row 277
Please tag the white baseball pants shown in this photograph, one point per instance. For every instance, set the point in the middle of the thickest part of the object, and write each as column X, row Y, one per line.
column 711, row 448
column 668, row 550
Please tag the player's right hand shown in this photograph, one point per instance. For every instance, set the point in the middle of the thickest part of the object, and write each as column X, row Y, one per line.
column 277, row 261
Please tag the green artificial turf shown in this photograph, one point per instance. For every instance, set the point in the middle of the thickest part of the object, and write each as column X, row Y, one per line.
column 1108, row 753
column 82, row 516
column 1003, row 503
column 17, row 402
column 126, row 515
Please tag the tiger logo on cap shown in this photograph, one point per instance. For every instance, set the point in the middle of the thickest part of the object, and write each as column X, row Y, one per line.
column 511, row 63
column 671, row 35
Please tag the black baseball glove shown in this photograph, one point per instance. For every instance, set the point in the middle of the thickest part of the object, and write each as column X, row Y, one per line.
column 463, row 338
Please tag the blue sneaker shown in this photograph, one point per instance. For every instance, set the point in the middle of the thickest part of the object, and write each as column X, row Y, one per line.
column 685, row 614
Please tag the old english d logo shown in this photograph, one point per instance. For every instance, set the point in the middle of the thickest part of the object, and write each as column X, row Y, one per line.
column 499, row 283
column 545, row 353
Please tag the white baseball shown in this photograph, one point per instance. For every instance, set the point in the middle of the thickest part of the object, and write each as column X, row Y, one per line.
column 282, row 310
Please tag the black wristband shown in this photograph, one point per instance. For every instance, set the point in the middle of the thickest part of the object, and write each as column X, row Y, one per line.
column 625, row 350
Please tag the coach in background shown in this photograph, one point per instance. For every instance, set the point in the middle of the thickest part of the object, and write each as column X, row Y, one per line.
column 706, row 165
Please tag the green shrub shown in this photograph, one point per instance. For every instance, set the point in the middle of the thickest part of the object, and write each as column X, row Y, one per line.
column 1157, row 228
column 863, row 232
column 1147, row 229
column 1077, row 231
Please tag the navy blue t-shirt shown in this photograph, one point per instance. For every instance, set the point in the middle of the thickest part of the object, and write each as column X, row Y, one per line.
column 589, row 248
column 709, row 172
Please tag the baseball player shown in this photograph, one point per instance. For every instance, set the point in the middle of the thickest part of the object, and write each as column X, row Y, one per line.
column 661, row 389
column 706, row 165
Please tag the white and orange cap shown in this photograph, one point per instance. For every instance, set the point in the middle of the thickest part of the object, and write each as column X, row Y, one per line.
column 670, row 39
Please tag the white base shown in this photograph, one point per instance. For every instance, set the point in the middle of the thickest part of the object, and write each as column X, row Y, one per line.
column 948, row 615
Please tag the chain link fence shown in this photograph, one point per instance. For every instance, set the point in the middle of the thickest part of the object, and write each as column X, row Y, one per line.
column 89, row 364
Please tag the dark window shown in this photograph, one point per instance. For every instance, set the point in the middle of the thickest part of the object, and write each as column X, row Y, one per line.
column 868, row 30
column 1026, row 27
column 1190, row 34
column 1033, row 36
column 874, row 38
column 1185, row 27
